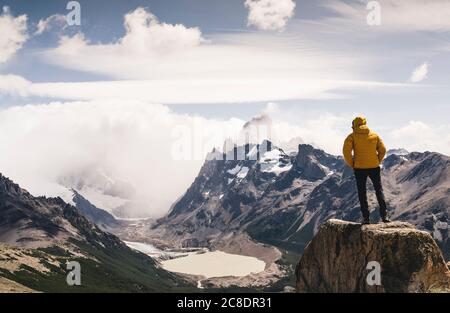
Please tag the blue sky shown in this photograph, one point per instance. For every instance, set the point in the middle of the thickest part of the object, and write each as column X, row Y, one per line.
column 310, row 66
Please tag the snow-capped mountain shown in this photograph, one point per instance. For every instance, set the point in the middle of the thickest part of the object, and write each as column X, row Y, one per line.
column 282, row 199
column 101, row 189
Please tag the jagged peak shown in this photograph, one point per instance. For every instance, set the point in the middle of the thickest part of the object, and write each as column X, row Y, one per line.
column 8, row 186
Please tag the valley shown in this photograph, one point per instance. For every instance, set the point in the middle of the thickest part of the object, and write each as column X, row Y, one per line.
column 241, row 226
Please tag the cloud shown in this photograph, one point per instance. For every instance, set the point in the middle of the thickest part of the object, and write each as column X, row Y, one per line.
column 327, row 130
column 198, row 91
column 420, row 136
column 56, row 20
column 269, row 14
column 420, row 73
column 14, row 85
column 13, row 34
column 168, row 63
column 154, row 50
column 396, row 15
column 156, row 150
column 145, row 38
column 145, row 34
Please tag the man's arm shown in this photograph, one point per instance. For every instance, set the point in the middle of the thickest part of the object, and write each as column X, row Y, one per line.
column 347, row 151
column 381, row 149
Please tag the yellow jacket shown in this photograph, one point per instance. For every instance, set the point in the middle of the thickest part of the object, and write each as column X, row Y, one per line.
column 367, row 147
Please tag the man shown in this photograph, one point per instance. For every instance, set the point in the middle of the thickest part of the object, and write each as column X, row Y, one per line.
column 368, row 153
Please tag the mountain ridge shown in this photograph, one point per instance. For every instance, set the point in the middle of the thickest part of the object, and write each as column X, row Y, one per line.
column 39, row 235
column 283, row 199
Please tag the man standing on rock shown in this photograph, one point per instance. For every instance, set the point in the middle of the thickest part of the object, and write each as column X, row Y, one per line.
column 364, row 151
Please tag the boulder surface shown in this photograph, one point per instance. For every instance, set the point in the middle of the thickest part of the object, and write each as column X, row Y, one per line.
column 344, row 257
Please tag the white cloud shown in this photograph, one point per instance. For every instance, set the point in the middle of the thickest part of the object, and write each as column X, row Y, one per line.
column 156, row 150
column 270, row 14
column 53, row 21
column 145, row 34
column 174, row 64
column 420, row 73
column 420, row 136
column 133, row 140
column 145, row 38
column 396, row 15
column 199, row 91
column 13, row 85
column 13, row 34
column 154, row 50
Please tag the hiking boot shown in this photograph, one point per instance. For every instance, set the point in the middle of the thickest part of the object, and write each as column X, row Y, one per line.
column 366, row 221
column 385, row 220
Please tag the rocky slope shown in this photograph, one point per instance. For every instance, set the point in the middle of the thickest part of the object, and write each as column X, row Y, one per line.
column 103, row 219
column 9, row 286
column 282, row 199
column 336, row 259
column 38, row 235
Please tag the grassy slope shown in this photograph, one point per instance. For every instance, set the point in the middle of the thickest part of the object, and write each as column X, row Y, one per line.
column 117, row 270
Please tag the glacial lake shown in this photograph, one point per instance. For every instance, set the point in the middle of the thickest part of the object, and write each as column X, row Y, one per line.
column 215, row 264
column 208, row 264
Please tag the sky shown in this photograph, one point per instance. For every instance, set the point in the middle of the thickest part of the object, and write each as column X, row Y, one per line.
column 142, row 90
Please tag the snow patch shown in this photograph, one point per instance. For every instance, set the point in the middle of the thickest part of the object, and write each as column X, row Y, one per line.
column 240, row 172
column 277, row 169
column 243, row 172
column 271, row 163
column 234, row 170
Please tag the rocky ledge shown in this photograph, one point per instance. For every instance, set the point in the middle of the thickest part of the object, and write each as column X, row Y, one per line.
column 393, row 257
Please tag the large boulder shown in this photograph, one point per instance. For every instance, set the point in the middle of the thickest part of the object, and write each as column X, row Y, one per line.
column 337, row 259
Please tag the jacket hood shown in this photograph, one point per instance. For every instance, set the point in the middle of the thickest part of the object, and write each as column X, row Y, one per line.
column 359, row 125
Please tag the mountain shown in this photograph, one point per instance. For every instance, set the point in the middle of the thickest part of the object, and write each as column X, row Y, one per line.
column 409, row 260
column 101, row 188
column 99, row 217
column 38, row 235
column 282, row 199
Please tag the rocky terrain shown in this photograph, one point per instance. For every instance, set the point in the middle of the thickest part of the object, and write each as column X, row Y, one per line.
column 336, row 259
column 282, row 198
column 9, row 286
column 38, row 235
column 99, row 217
column 256, row 200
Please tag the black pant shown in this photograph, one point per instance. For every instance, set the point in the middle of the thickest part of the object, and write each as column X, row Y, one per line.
column 361, row 182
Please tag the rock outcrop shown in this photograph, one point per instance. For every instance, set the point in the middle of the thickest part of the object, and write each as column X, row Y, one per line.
column 337, row 259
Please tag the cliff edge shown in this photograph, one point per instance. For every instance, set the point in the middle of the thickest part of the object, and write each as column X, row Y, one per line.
column 349, row 257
